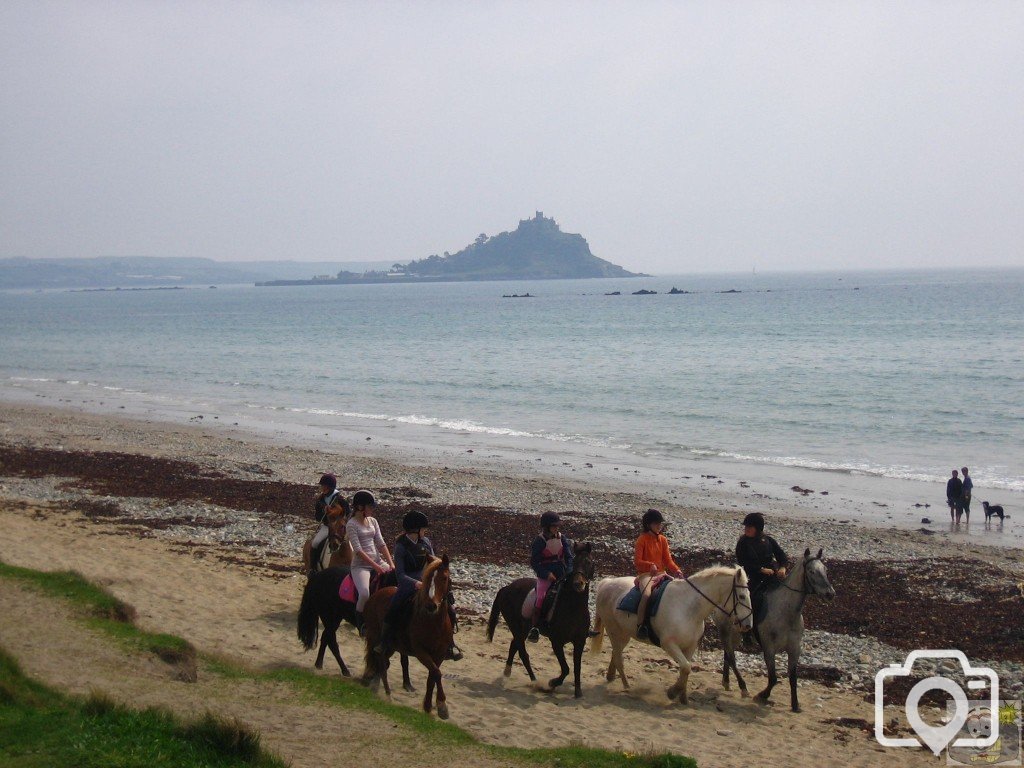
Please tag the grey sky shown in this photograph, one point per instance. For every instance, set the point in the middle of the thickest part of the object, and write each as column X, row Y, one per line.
column 676, row 137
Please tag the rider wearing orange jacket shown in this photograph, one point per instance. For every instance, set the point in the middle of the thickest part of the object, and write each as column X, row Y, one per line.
column 651, row 557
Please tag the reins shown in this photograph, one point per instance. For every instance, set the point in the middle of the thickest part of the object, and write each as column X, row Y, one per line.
column 803, row 580
column 734, row 611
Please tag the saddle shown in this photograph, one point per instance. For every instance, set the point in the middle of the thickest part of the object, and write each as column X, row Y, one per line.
column 630, row 602
column 347, row 590
column 547, row 608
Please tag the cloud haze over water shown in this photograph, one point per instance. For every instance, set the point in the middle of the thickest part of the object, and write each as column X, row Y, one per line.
column 675, row 137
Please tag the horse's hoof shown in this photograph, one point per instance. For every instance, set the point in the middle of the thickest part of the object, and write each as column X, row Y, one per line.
column 797, row 708
column 409, row 688
column 533, row 678
column 610, row 676
column 744, row 694
column 671, row 692
column 554, row 682
column 346, row 673
column 508, row 670
column 725, row 685
column 319, row 665
column 578, row 694
column 442, row 711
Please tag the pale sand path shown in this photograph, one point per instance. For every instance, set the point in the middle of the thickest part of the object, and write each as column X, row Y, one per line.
column 241, row 613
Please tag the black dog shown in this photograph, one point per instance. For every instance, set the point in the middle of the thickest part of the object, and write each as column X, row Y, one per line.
column 992, row 509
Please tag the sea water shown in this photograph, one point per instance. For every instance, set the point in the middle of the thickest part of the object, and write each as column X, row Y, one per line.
column 887, row 375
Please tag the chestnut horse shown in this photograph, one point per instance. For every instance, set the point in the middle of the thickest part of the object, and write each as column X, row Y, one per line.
column 427, row 633
column 334, row 552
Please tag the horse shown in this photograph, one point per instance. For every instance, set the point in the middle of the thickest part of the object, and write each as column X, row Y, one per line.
column 782, row 627
column 679, row 623
column 427, row 633
column 570, row 621
column 321, row 602
column 336, row 552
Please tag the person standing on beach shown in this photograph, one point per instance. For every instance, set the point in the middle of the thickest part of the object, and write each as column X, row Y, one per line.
column 763, row 560
column 954, row 494
column 370, row 554
column 965, row 496
column 651, row 558
column 551, row 558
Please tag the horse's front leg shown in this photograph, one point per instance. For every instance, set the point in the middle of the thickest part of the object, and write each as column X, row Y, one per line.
column 679, row 687
column 513, row 646
column 433, row 678
column 730, row 659
column 769, row 662
column 794, row 658
column 406, row 682
column 577, row 664
column 554, row 682
column 442, row 701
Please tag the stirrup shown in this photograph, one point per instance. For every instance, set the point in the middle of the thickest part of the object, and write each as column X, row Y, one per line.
column 643, row 633
column 454, row 653
column 534, row 635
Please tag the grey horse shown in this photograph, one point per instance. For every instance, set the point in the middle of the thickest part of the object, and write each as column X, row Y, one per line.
column 783, row 626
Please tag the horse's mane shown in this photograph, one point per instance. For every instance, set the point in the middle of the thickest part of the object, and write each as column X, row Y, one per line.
column 720, row 570
column 428, row 574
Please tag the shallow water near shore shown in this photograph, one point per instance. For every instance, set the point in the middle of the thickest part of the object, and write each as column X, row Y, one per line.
column 867, row 386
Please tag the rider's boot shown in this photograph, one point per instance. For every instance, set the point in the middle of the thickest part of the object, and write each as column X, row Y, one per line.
column 642, row 632
column 534, row 634
column 359, row 624
column 454, row 652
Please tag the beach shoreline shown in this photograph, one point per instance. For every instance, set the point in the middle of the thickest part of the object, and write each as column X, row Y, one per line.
column 710, row 483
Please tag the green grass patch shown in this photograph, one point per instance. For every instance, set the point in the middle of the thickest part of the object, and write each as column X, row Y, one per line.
column 100, row 607
column 105, row 613
column 40, row 727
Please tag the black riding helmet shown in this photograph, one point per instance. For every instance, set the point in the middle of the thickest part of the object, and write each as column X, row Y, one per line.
column 651, row 516
column 550, row 518
column 363, row 499
column 414, row 521
column 329, row 480
column 755, row 519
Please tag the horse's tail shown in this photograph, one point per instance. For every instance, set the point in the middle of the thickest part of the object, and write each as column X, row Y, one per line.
column 309, row 616
column 492, row 622
column 598, row 640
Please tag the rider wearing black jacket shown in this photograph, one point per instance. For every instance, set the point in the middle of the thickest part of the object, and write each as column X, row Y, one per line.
column 762, row 558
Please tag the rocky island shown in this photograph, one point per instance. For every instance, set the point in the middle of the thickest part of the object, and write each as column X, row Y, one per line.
column 536, row 250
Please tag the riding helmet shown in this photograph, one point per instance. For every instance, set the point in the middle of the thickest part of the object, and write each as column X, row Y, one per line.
column 651, row 516
column 414, row 521
column 329, row 480
column 549, row 518
column 756, row 519
column 363, row 499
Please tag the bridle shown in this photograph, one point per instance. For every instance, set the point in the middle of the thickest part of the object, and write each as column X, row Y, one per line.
column 803, row 580
column 733, row 597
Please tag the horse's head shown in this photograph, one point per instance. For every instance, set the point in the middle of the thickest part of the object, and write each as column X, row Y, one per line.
column 743, row 616
column 436, row 583
column 816, row 576
column 582, row 567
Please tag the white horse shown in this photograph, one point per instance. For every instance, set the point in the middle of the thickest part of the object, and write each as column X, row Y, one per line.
column 679, row 622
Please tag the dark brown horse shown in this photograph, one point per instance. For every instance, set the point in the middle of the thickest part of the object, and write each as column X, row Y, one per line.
column 426, row 635
column 570, row 621
column 321, row 602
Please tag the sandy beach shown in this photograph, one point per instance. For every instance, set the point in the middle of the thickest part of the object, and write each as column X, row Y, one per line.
column 173, row 517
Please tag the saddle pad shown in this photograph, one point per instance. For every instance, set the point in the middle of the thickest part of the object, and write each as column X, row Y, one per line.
column 347, row 590
column 528, row 603
column 659, row 592
column 630, row 602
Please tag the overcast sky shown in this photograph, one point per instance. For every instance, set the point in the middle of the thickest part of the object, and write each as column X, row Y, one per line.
column 676, row 137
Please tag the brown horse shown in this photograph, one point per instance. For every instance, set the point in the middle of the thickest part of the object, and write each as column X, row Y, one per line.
column 337, row 546
column 426, row 635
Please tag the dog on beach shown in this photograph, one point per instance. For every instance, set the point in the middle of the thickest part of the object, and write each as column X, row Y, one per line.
column 992, row 509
